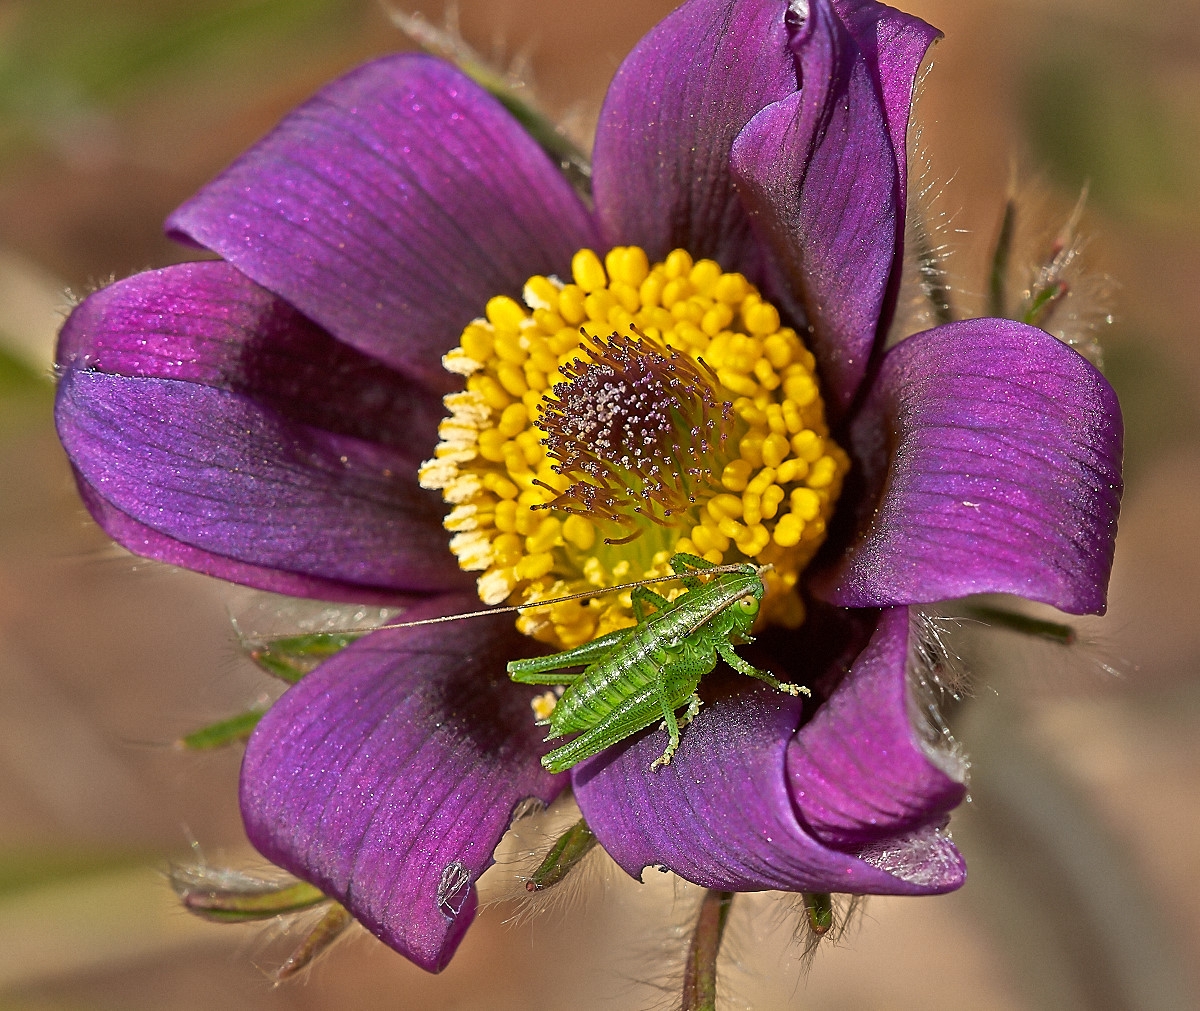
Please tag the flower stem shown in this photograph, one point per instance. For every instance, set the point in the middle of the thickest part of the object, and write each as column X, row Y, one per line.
column 1014, row 621
column 998, row 279
column 700, row 974
column 570, row 847
column 818, row 906
column 327, row 930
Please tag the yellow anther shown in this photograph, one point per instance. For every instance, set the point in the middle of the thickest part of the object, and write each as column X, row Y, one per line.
column 822, row 473
column 731, row 289
column 736, row 474
column 579, row 532
column 762, row 318
column 512, row 378
column 650, row 291
column 491, row 444
column 778, row 350
column 793, row 417
column 774, row 449
column 492, row 392
column 507, row 550
column 543, row 706
column 704, row 275
column 771, row 500
column 732, row 529
column 510, row 347
column 627, row 264
column 716, row 319
column 545, row 537
column 792, row 470
column 588, row 271
column 570, row 305
column 788, row 530
column 540, row 293
column 497, row 483
column 808, row 446
column 675, row 291
column 534, row 566
column 505, row 516
column 806, row 503
column 751, row 448
column 678, row 263
column 762, row 481
column 738, row 382
column 504, row 313
column 801, row 388
column 751, row 508
column 598, row 304
column 476, row 342
column 765, row 373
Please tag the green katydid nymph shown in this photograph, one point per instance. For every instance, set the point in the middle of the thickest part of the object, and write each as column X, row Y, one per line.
column 636, row 676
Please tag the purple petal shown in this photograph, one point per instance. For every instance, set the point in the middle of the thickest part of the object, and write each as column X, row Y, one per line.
column 721, row 814
column 823, row 179
column 388, row 775
column 390, row 207
column 208, row 323
column 150, row 543
column 895, row 43
column 860, row 773
column 1001, row 473
column 661, row 163
column 214, row 470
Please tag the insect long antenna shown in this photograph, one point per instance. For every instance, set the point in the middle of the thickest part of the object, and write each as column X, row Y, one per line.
column 716, row 570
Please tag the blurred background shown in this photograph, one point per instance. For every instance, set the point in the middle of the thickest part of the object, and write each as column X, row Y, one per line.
column 1085, row 814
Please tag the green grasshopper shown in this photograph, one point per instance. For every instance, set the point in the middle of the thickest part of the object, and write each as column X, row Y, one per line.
column 637, row 675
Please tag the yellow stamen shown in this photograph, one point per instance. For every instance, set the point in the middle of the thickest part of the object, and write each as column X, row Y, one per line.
column 638, row 411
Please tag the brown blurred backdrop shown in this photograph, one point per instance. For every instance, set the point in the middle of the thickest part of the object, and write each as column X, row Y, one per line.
column 1082, row 830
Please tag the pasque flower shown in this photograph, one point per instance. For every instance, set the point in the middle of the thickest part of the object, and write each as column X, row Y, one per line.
column 275, row 418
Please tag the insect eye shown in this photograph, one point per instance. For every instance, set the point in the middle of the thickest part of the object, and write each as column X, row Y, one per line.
column 748, row 604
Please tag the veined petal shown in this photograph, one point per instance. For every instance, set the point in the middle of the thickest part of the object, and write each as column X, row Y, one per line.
column 388, row 775
column 208, row 323
column 661, row 163
column 895, row 43
column 1001, row 472
column 390, row 207
column 721, row 814
column 150, row 543
column 822, row 177
column 862, row 770
column 224, row 475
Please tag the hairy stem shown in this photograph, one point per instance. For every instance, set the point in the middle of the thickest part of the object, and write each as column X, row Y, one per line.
column 700, row 974
column 1014, row 621
column 327, row 930
column 570, row 847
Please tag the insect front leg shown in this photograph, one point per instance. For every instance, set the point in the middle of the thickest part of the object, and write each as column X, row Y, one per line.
column 533, row 670
column 672, row 732
column 744, row 667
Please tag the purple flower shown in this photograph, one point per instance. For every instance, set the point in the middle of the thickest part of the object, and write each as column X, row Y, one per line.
column 263, row 419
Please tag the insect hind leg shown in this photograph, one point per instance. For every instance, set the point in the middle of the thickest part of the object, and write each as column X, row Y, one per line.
column 744, row 667
column 642, row 596
column 683, row 565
